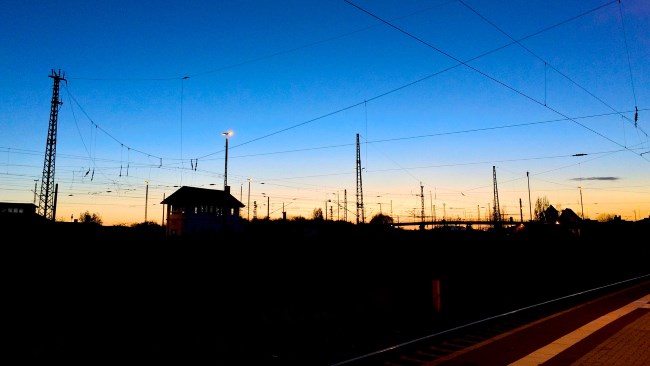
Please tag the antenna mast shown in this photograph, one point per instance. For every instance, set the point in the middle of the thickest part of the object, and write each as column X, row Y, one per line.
column 46, row 200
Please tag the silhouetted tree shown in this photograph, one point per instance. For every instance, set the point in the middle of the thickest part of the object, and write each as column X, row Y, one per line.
column 540, row 206
column 317, row 214
column 145, row 224
column 88, row 218
column 381, row 219
column 606, row 217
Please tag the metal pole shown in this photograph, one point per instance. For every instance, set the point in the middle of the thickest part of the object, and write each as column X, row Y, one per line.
column 338, row 207
column 530, row 205
column 582, row 208
column 225, row 174
column 268, row 207
column 146, row 200
column 249, row 199
column 56, row 197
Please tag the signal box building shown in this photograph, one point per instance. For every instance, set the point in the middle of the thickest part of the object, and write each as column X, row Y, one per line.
column 196, row 211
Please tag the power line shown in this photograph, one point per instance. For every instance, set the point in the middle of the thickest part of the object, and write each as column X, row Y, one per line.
column 404, row 86
column 330, row 113
column 620, row 8
column 460, row 62
column 107, row 133
column 445, row 133
column 262, row 57
column 546, row 63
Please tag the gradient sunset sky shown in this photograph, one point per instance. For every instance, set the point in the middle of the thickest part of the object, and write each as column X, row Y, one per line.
column 440, row 92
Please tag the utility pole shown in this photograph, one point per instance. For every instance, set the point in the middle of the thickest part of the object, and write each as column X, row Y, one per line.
column 530, row 205
column 521, row 212
column 360, row 208
column 46, row 201
column 431, row 201
column 345, row 205
column 225, row 168
column 338, row 207
column 248, row 205
column 35, row 188
column 146, row 200
column 582, row 208
column 268, row 207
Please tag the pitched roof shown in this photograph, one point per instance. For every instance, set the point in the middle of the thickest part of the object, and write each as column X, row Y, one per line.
column 551, row 209
column 201, row 196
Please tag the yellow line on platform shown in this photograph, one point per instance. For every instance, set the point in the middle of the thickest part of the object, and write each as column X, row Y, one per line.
column 561, row 344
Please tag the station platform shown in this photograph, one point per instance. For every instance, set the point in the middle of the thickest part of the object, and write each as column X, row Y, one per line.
column 611, row 331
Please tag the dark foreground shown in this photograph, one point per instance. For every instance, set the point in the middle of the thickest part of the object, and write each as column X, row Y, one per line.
column 308, row 294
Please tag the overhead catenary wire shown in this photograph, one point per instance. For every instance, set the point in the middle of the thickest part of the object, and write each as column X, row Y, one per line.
column 354, row 105
column 335, row 146
column 182, row 160
column 547, row 64
column 414, row 82
column 502, row 83
column 627, row 50
column 97, row 126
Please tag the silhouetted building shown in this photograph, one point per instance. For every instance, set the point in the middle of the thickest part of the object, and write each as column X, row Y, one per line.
column 18, row 213
column 569, row 218
column 551, row 215
column 192, row 211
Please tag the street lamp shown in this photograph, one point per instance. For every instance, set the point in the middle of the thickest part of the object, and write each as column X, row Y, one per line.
column 225, row 174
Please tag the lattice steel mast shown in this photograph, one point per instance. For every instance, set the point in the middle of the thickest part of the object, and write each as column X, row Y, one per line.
column 422, row 206
column 47, row 199
column 360, row 209
column 497, row 210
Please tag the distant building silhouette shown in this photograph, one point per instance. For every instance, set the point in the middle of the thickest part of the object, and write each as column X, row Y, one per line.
column 194, row 211
column 569, row 218
column 18, row 213
column 551, row 214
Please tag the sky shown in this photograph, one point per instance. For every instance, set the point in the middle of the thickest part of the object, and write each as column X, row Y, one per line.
column 453, row 102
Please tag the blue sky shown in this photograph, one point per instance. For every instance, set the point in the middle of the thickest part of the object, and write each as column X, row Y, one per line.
column 440, row 92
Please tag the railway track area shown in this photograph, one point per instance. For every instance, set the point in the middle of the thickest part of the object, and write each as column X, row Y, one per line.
column 437, row 347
